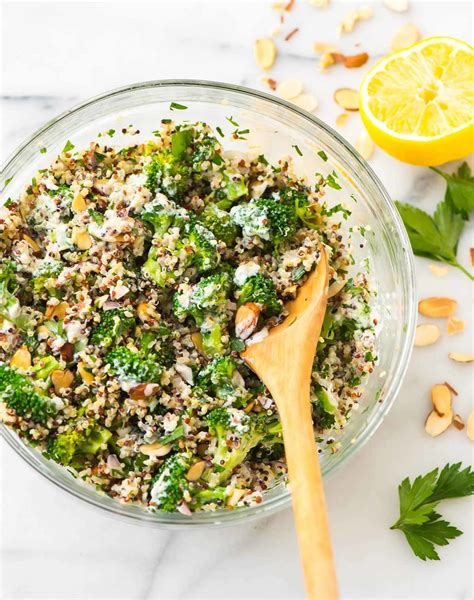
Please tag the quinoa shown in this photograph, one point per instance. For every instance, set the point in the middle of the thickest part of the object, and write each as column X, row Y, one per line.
column 121, row 274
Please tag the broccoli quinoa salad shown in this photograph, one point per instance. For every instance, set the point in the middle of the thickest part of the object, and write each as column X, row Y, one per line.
column 131, row 279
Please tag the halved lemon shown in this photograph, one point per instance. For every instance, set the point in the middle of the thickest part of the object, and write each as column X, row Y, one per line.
column 418, row 103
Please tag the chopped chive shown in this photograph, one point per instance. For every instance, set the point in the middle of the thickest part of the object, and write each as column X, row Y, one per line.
column 297, row 149
column 110, row 132
column 243, row 132
column 261, row 159
column 323, row 155
column 8, row 203
column 8, row 181
column 165, row 122
column 331, row 181
column 232, row 122
column 176, row 106
column 219, row 131
column 69, row 146
column 99, row 157
column 217, row 159
column 43, row 150
column 298, row 273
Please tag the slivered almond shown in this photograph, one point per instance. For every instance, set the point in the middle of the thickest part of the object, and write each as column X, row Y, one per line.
column 326, row 60
column 458, row 422
column 265, row 53
column 454, row 325
column 306, row 102
column 355, row 60
column 341, row 119
column 470, row 426
column 439, row 271
column 31, row 243
column 61, row 379
column 57, row 311
column 196, row 338
column 347, row 98
column 78, row 204
column 196, row 471
column 352, row 18
column 405, row 36
column 322, row 47
column 426, row 334
column 246, row 320
column 155, row 449
column 364, row 145
column 437, row 307
column 289, row 89
column 21, row 359
column 86, row 375
column 436, row 425
column 463, row 358
column 441, row 399
column 143, row 391
column 396, row 5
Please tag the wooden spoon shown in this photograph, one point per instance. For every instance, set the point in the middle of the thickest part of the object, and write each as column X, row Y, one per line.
column 283, row 361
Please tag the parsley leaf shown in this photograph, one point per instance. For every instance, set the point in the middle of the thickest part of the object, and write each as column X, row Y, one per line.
column 460, row 189
column 422, row 526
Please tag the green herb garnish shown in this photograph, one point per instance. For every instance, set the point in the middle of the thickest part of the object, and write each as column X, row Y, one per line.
column 232, row 122
column 422, row 526
column 323, row 155
column 43, row 150
column 69, row 146
column 297, row 149
column 331, row 181
column 176, row 106
column 219, row 131
column 460, row 189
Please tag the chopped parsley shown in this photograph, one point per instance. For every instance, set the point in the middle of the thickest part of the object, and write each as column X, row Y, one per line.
column 177, row 106
column 69, row 146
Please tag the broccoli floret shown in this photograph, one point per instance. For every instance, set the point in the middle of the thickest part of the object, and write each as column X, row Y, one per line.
column 73, row 446
column 128, row 365
column 234, row 187
column 236, row 434
column 44, row 278
column 45, row 367
column 321, row 418
column 170, row 487
column 205, row 255
column 297, row 198
column 261, row 290
column 18, row 392
column 161, row 214
column 219, row 223
column 113, row 324
column 159, row 271
column 221, row 378
column 10, row 308
column 167, row 174
column 267, row 219
column 206, row 303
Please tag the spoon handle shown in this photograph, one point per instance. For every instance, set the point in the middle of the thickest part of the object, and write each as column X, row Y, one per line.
column 307, row 491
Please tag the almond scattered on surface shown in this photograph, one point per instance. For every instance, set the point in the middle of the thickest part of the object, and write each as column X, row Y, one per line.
column 306, row 102
column 436, row 425
column 471, row 254
column 426, row 334
column 319, row 3
column 271, row 83
column 364, row 145
column 352, row 18
column 454, row 325
column 289, row 89
column 405, row 36
column 439, row 271
column 322, row 47
column 396, row 5
column 437, row 307
column 441, row 399
column 326, row 61
column 470, row 427
column 458, row 422
column 347, row 98
column 341, row 119
column 463, row 358
column 265, row 53
column 355, row 61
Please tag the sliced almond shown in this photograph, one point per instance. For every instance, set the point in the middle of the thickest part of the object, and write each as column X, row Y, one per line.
column 265, row 53
column 81, row 238
column 441, row 399
column 196, row 338
column 155, row 449
column 323, row 47
column 454, row 325
column 355, row 60
column 143, row 391
column 326, row 60
column 31, row 243
column 405, row 36
column 352, row 18
column 463, row 358
column 439, row 271
column 341, row 119
column 364, row 145
column 437, row 307
column 78, row 204
column 396, row 5
column 436, row 425
column 86, row 375
column 470, row 426
column 246, row 320
column 450, row 387
column 306, row 102
column 289, row 89
column 458, row 422
column 347, row 98
column 426, row 334
column 21, row 359
column 195, row 472
column 57, row 311
column 61, row 379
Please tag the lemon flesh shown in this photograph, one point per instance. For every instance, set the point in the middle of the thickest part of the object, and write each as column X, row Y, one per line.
column 418, row 103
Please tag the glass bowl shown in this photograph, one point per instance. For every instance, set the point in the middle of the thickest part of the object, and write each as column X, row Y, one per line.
column 276, row 128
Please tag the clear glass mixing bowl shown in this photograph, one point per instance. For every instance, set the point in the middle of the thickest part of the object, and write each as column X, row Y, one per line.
column 276, row 127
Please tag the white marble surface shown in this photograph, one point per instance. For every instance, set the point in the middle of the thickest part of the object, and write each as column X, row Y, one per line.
column 52, row 546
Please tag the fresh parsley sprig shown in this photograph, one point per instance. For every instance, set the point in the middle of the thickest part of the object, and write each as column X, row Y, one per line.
column 422, row 525
column 437, row 237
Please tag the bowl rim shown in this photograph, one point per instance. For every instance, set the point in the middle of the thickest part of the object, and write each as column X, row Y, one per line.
column 221, row 518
